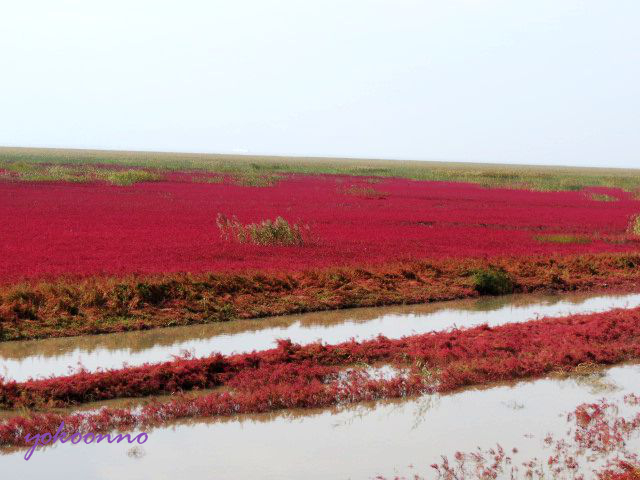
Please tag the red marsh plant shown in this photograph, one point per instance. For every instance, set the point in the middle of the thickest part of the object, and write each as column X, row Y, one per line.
column 597, row 431
column 594, row 446
column 155, row 228
column 623, row 471
column 445, row 361
column 283, row 386
column 267, row 232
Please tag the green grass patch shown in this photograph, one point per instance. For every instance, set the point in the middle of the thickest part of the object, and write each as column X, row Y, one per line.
column 34, row 172
column 563, row 238
column 126, row 177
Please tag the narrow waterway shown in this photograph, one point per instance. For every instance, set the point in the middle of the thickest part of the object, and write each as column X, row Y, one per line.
column 387, row 438
column 38, row 358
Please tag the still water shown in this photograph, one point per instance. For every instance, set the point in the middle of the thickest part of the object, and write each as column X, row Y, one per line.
column 38, row 358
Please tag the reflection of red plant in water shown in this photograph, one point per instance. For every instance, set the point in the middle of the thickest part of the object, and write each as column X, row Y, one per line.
column 622, row 471
column 309, row 376
column 594, row 446
column 448, row 360
column 284, row 386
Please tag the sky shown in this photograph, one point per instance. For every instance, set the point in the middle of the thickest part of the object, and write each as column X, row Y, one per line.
column 530, row 81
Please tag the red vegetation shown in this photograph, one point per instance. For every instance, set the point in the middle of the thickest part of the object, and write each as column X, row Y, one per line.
column 597, row 431
column 57, row 229
column 292, row 374
column 624, row 471
column 102, row 258
column 287, row 386
column 598, row 434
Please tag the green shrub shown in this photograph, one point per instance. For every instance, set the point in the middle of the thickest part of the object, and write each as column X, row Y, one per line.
column 492, row 282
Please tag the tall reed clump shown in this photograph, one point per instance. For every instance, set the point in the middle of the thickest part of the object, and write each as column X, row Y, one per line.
column 267, row 232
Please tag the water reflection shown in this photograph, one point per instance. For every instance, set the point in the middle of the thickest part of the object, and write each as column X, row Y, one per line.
column 21, row 360
column 388, row 437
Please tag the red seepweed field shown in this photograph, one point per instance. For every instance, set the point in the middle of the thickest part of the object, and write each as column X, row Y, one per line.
column 86, row 229
column 96, row 248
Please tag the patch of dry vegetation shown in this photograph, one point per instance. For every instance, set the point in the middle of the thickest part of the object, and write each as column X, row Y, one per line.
column 565, row 238
column 27, row 172
column 365, row 192
column 67, row 307
column 267, row 232
column 603, row 197
column 635, row 225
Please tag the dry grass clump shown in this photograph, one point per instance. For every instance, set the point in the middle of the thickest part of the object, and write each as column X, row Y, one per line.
column 635, row 225
column 249, row 179
column 617, row 239
column 603, row 197
column 252, row 179
column 208, row 179
column 126, row 177
column 366, row 192
column 563, row 238
column 584, row 369
column 267, row 232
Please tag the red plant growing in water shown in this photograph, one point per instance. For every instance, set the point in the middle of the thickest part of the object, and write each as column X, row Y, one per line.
column 449, row 360
column 310, row 376
column 596, row 445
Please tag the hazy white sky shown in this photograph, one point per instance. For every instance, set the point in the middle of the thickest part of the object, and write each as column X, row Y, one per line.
column 523, row 81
